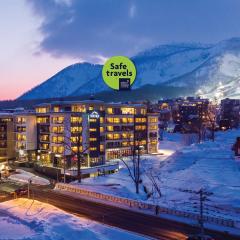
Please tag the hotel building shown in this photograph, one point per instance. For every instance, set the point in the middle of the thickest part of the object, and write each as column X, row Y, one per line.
column 56, row 133
column 102, row 131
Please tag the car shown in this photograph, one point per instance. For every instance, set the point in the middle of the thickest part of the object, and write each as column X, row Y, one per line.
column 199, row 237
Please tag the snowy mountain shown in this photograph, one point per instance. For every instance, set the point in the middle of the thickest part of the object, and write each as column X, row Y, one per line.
column 211, row 70
column 65, row 82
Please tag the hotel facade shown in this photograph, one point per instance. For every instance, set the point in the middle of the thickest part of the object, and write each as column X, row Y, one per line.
column 56, row 132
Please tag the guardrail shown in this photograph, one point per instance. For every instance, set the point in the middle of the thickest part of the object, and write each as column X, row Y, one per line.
column 142, row 205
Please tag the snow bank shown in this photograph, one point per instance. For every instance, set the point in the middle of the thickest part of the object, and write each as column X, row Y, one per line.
column 24, row 176
column 181, row 171
column 22, row 219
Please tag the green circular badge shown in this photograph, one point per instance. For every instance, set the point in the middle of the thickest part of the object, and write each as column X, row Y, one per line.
column 119, row 73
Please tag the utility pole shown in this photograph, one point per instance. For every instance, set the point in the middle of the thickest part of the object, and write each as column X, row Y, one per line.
column 29, row 182
column 202, row 197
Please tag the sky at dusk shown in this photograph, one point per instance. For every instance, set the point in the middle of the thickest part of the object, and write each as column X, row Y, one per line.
column 40, row 37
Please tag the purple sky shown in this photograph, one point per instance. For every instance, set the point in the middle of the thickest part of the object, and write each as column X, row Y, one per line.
column 40, row 37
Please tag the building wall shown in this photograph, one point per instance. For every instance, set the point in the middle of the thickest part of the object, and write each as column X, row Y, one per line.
column 153, row 133
column 7, row 138
column 26, row 136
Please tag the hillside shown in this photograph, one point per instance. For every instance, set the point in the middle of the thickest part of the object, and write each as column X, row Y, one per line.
column 211, row 71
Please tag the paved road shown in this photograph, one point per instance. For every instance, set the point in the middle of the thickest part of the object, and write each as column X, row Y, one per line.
column 154, row 227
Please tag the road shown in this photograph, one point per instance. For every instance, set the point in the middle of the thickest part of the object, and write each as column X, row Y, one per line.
column 151, row 226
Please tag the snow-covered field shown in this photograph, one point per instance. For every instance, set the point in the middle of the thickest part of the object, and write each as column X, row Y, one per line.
column 24, row 176
column 24, row 219
column 180, row 170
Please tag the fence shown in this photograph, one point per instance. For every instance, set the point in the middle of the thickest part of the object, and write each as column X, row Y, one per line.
column 142, row 205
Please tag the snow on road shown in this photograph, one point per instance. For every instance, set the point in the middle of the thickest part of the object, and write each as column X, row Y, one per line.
column 23, row 219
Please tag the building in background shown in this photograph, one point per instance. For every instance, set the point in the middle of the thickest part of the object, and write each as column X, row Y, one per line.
column 25, row 126
column 7, row 137
column 229, row 113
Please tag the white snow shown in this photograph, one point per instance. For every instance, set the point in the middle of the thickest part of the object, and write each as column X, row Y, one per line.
column 209, row 165
column 24, row 176
column 23, row 219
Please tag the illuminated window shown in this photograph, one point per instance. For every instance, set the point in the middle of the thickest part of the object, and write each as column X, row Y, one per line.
column 21, row 120
column 76, row 129
column 110, row 120
column 76, row 119
column 92, row 120
column 44, row 146
column 109, row 136
column 101, row 129
column 42, row 120
column 78, row 108
column 116, row 136
column 93, row 139
column 58, row 120
column 124, row 120
column 42, row 110
column 153, row 119
column 92, row 129
column 130, row 120
column 101, row 147
column 58, row 139
column 143, row 111
column 59, row 129
column 116, row 120
column 127, row 110
column 93, row 148
column 56, row 109
column 59, row 150
column 20, row 145
column 21, row 137
column 153, row 127
column 110, row 128
column 110, row 111
column 75, row 149
column 125, row 144
column 124, row 135
column 140, row 127
column 140, row 120
column 90, row 108
column 44, row 138
column 101, row 120
column 94, row 160
column 76, row 139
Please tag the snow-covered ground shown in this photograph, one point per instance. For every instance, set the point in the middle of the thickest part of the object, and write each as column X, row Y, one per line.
column 180, row 170
column 23, row 219
column 24, row 176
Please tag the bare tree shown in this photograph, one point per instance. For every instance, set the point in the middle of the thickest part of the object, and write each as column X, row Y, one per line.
column 73, row 143
column 133, row 166
column 154, row 180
